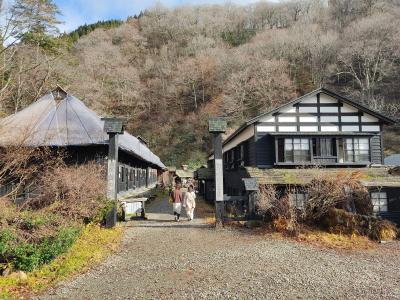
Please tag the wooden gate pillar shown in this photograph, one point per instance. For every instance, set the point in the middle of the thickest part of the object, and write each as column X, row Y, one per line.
column 114, row 127
column 219, row 178
column 217, row 126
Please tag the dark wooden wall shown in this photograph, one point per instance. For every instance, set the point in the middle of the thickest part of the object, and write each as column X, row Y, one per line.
column 393, row 198
column 265, row 150
column 134, row 172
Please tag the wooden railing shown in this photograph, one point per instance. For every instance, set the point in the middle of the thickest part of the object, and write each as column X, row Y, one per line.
column 325, row 159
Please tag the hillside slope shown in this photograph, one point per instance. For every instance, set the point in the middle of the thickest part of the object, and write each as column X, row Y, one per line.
column 169, row 70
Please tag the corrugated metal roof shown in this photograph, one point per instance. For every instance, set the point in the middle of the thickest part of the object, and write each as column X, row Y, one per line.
column 64, row 122
column 393, row 160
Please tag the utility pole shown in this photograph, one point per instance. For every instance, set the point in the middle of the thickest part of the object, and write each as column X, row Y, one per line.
column 114, row 127
column 217, row 126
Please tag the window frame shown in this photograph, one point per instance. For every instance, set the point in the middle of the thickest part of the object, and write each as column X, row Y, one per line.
column 353, row 152
column 296, row 150
column 299, row 199
column 324, row 144
column 379, row 206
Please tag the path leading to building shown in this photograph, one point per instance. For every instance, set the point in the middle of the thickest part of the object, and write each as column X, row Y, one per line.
column 161, row 259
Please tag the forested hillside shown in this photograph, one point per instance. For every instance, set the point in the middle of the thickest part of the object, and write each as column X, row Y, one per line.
column 167, row 71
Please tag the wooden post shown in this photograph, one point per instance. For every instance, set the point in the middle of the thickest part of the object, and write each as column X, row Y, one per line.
column 219, row 178
column 217, row 126
column 112, row 178
column 113, row 127
column 251, row 187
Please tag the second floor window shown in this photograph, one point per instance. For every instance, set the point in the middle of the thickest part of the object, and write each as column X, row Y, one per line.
column 324, row 147
column 356, row 149
column 297, row 150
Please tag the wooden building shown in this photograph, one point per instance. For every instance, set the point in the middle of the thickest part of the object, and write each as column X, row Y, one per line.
column 61, row 121
column 320, row 129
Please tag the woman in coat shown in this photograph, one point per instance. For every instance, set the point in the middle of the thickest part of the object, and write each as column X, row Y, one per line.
column 189, row 202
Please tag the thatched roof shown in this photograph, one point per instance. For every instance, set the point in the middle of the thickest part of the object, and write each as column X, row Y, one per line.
column 59, row 119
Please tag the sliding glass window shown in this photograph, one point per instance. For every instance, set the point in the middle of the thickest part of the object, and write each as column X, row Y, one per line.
column 356, row 149
column 297, row 150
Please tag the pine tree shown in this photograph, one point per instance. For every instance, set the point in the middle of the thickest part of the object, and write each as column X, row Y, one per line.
column 37, row 17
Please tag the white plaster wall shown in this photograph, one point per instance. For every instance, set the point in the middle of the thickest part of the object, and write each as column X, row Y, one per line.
column 308, row 128
column 371, row 128
column 369, row 118
column 329, row 119
column 331, row 128
column 349, row 118
column 287, row 128
column 309, row 119
column 261, row 128
column 268, row 119
column 284, row 119
column 350, row 128
column 348, row 108
column 323, row 98
column 308, row 109
column 329, row 109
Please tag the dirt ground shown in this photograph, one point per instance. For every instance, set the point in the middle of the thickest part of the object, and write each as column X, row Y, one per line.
column 162, row 259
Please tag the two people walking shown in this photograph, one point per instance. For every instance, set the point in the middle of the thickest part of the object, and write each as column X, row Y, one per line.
column 187, row 201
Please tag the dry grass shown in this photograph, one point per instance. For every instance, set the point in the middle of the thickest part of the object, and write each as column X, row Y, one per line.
column 311, row 236
column 204, row 209
column 210, row 220
column 337, row 241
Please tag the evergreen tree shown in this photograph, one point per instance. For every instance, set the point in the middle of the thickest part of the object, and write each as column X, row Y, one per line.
column 36, row 17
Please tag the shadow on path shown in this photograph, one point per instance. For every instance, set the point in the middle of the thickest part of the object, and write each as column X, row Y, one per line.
column 160, row 215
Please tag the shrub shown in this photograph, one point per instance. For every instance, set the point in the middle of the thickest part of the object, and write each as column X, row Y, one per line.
column 77, row 192
column 280, row 210
column 27, row 256
column 342, row 191
column 46, row 225
column 384, row 230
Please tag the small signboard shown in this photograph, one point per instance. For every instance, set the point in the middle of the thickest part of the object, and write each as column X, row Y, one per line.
column 217, row 125
column 114, row 125
column 250, row 184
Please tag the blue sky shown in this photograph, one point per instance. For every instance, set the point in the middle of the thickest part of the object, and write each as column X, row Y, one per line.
column 79, row 12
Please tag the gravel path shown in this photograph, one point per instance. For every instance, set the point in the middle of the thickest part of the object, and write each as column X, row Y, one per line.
column 161, row 259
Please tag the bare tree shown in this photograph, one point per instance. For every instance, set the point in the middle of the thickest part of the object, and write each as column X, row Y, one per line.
column 368, row 52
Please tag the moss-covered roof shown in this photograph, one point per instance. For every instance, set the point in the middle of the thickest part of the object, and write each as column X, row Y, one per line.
column 185, row 173
column 378, row 176
column 374, row 176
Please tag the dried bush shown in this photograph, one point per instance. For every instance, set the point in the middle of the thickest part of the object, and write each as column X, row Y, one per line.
column 76, row 192
column 280, row 210
column 46, row 224
column 341, row 191
column 266, row 198
column 384, row 230
column 340, row 221
column 21, row 167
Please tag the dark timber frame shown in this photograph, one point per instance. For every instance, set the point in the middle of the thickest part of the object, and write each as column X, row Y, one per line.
column 326, row 119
